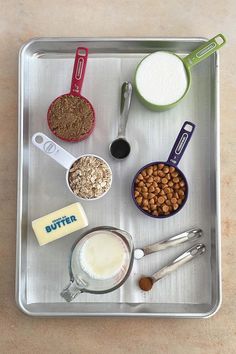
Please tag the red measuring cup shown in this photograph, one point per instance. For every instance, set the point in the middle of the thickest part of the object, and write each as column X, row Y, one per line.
column 80, row 62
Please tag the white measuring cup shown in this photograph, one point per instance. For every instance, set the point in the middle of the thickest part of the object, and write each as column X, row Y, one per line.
column 64, row 158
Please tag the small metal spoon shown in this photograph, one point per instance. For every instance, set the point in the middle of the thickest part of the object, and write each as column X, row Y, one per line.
column 173, row 241
column 120, row 147
column 185, row 257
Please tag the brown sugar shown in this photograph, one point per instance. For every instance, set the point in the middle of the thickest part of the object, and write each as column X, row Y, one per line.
column 71, row 117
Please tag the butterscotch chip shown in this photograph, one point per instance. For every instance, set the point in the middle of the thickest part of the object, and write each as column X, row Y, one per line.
column 167, row 190
column 139, row 200
column 161, row 174
column 165, row 208
column 152, row 188
column 150, row 179
column 161, row 200
column 176, row 180
column 145, row 208
column 166, row 169
column 174, row 174
column 164, row 180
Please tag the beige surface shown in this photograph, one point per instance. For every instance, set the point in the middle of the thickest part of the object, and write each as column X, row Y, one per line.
column 21, row 20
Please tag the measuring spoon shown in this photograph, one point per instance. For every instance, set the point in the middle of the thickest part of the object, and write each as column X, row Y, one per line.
column 120, row 147
column 189, row 235
column 146, row 283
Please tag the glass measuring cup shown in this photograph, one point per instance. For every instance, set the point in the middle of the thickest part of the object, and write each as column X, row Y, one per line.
column 195, row 57
column 64, row 158
column 80, row 62
column 174, row 158
column 81, row 281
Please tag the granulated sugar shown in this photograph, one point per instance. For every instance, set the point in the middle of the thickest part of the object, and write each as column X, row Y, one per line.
column 161, row 78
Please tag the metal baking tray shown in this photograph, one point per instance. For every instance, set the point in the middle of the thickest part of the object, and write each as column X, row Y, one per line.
column 45, row 67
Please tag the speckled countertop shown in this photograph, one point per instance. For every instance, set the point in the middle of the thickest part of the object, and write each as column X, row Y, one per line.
column 22, row 20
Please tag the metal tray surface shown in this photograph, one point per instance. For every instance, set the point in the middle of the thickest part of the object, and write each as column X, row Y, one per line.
column 45, row 67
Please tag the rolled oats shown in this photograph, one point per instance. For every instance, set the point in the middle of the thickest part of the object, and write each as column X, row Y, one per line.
column 89, row 177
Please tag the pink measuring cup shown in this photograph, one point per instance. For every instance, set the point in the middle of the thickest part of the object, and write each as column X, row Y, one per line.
column 80, row 62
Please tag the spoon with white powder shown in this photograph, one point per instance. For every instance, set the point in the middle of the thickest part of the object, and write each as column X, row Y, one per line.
column 162, row 78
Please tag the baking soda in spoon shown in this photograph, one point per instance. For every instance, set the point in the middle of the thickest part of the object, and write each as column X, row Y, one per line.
column 161, row 78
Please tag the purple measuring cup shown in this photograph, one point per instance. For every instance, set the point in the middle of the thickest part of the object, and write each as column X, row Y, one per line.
column 174, row 158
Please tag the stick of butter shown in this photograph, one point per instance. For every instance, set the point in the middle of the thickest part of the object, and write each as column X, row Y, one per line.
column 59, row 223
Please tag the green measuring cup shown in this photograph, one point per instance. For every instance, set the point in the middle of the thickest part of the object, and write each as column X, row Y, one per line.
column 195, row 57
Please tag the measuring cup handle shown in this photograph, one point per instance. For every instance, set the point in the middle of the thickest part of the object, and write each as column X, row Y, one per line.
column 50, row 148
column 81, row 57
column 204, row 51
column 181, row 143
column 71, row 291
